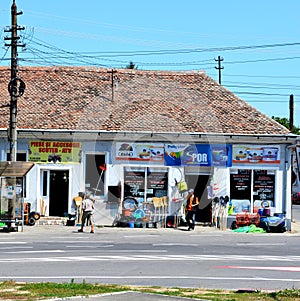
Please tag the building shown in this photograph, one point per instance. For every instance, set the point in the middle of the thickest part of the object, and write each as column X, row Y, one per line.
column 133, row 133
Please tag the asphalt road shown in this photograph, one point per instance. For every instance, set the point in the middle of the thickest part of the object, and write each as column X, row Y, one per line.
column 206, row 257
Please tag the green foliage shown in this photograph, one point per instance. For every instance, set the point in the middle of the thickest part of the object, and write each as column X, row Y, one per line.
column 286, row 123
column 131, row 65
column 10, row 290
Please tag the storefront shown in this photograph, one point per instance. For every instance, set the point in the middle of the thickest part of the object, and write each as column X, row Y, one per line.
column 147, row 182
column 251, row 176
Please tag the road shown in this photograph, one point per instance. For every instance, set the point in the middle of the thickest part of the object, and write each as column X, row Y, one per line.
column 206, row 257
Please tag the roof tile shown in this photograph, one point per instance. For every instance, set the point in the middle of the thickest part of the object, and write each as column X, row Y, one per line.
column 81, row 98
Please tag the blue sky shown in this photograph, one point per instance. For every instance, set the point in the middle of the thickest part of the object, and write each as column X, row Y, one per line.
column 258, row 40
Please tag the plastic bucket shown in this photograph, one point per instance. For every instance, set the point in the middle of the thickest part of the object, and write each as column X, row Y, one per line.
column 260, row 211
column 267, row 212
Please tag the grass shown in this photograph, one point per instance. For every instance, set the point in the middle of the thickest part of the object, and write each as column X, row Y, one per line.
column 10, row 290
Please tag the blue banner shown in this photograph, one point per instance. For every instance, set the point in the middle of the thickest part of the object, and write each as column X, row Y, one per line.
column 198, row 155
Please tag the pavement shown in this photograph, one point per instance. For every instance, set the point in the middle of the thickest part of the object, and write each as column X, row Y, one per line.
column 129, row 296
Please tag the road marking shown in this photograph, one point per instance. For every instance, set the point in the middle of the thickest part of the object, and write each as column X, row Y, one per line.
column 260, row 244
column 37, row 251
column 13, row 248
column 12, row 242
column 289, row 269
column 88, row 246
column 175, row 244
column 155, row 257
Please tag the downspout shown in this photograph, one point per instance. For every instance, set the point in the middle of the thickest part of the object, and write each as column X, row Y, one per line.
column 288, row 186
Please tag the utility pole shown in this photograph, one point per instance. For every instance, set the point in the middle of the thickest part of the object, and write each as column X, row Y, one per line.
column 112, row 82
column 219, row 60
column 16, row 89
column 291, row 113
column 16, row 86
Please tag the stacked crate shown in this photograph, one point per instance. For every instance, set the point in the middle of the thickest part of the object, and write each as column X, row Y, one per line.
column 246, row 219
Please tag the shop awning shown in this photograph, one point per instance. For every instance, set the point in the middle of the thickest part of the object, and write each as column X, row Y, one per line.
column 15, row 169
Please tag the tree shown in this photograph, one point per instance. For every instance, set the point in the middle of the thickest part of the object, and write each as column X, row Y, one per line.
column 131, row 65
column 285, row 122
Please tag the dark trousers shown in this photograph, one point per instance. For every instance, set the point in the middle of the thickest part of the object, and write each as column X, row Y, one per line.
column 190, row 218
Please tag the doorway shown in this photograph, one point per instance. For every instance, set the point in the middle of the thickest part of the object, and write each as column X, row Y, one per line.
column 199, row 183
column 58, row 192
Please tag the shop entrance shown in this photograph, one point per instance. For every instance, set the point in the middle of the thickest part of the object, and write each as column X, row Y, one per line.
column 58, row 192
column 199, row 183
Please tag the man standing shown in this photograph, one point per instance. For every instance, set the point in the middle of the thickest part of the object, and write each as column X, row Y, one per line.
column 87, row 213
column 191, row 208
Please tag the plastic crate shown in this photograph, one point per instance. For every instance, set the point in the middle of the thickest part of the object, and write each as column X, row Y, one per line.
column 242, row 219
column 246, row 219
column 254, row 219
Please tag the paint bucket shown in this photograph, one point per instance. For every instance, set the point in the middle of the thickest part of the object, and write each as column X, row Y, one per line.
column 131, row 224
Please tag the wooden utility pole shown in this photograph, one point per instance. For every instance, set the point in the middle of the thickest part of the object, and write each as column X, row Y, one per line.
column 112, row 82
column 16, row 86
column 219, row 60
column 16, row 89
column 291, row 113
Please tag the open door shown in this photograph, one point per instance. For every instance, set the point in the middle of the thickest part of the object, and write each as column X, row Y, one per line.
column 55, row 192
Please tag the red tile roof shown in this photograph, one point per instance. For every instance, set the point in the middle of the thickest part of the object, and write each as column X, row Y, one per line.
column 80, row 98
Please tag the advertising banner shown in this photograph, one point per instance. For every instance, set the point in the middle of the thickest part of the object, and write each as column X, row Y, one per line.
column 198, row 155
column 142, row 152
column 256, row 154
column 54, row 152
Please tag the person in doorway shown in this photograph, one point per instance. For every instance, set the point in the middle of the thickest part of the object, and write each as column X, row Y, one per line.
column 87, row 213
column 191, row 208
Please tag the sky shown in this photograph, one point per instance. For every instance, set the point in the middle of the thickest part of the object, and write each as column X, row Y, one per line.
column 258, row 41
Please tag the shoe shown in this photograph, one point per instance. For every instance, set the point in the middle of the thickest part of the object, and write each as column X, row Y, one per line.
column 92, row 231
column 80, row 230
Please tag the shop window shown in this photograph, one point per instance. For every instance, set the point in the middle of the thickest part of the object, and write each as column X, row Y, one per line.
column 143, row 183
column 251, row 190
column 95, row 173
column 134, row 183
column 263, row 188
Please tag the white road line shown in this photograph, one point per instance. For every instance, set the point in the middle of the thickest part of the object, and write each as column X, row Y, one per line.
column 175, row 244
column 13, row 248
column 260, row 244
column 88, row 246
column 12, row 242
column 154, row 257
column 37, row 251
column 146, row 235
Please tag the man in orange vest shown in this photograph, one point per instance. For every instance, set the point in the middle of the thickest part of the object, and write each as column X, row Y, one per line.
column 191, row 208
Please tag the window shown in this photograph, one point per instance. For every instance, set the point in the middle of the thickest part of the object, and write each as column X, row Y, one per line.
column 94, row 173
column 252, row 189
column 20, row 157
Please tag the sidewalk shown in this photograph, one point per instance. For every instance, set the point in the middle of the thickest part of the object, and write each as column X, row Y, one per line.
column 198, row 229
column 129, row 296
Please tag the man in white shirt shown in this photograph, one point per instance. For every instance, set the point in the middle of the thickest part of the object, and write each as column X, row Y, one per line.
column 87, row 213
